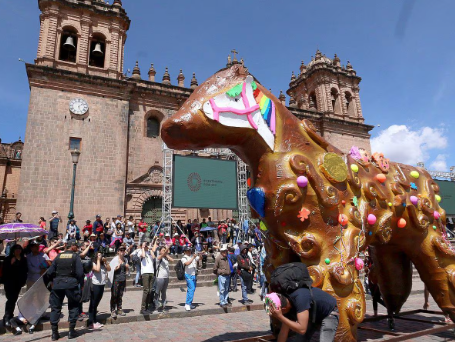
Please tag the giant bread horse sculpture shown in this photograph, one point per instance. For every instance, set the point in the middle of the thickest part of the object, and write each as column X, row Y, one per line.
column 320, row 206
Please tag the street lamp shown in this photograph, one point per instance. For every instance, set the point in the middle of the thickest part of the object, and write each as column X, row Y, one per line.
column 75, row 157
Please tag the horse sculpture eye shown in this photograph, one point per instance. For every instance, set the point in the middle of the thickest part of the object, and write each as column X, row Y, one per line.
column 236, row 100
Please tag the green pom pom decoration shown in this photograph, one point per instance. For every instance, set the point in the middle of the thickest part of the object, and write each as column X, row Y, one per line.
column 434, row 227
column 327, row 261
column 354, row 168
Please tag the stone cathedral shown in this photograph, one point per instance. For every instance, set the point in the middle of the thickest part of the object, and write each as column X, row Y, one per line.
column 81, row 99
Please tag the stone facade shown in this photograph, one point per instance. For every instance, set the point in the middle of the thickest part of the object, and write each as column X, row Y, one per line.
column 10, row 170
column 120, row 169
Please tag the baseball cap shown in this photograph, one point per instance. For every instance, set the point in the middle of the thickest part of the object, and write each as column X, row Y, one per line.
column 54, row 212
column 98, row 215
column 73, row 242
column 161, row 234
column 224, row 247
column 33, row 243
column 92, row 235
column 176, row 234
column 167, row 234
column 187, row 248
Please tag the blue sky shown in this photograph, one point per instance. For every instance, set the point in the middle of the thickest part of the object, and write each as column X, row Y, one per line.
column 403, row 50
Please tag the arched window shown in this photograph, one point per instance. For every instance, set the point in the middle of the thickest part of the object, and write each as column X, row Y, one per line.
column 335, row 101
column 153, row 127
column 68, row 45
column 313, row 101
column 97, row 51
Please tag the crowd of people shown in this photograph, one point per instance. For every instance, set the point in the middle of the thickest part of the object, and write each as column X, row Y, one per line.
column 135, row 247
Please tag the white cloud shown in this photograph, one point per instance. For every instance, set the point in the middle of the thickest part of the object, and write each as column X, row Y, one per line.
column 401, row 144
column 440, row 163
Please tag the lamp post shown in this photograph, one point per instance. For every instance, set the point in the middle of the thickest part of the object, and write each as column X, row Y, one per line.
column 75, row 156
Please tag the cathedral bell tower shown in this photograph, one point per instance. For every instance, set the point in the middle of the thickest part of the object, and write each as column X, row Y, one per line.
column 79, row 100
column 84, row 36
column 324, row 85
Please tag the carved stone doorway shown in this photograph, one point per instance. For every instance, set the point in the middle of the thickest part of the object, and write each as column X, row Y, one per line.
column 152, row 209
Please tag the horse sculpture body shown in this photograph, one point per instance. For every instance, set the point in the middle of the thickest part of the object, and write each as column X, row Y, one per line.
column 320, row 206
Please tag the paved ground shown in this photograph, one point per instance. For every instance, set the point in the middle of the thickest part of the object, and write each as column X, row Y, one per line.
column 213, row 324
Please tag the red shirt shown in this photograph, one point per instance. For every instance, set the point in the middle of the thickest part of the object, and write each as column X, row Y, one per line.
column 142, row 227
column 88, row 227
column 222, row 228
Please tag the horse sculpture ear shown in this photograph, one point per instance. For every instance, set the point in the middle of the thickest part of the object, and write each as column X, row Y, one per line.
column 241, row 71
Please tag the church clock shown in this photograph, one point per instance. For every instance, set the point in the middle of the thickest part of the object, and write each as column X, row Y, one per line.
column 78, row 106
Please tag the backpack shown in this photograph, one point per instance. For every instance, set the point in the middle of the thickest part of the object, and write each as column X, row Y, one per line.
column 292, row 276
column 179, row 268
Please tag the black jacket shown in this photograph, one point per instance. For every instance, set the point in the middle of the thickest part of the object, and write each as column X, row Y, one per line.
column 60, row 283
column 15, row 274
column 243, row 262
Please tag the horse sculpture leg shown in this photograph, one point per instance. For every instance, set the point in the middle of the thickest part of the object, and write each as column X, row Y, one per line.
column 437, row 270
column 394, row 273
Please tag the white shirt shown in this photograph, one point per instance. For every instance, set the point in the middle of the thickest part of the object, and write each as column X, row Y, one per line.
column 99, row 278
column 163, row 271
column 191, row 268
column 130, row 226
column 147, row 263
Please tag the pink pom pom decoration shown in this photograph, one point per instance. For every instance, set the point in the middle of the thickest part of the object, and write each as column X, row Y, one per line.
column 371, row 219
column 358, row 264
column 302, row 181
column 414, row 200
column 436, row 215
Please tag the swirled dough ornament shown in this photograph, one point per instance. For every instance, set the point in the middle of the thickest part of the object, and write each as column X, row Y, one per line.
column 334, row 167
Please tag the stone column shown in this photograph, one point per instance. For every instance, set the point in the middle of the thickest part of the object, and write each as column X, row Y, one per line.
column 114, row 51
column 51, row 37
column 83, row 45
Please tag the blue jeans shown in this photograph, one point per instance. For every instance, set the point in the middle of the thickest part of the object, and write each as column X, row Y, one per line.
column 138, row 272
column 244, row 293
column 190, row 288
column 263, row 287
column 223, row 286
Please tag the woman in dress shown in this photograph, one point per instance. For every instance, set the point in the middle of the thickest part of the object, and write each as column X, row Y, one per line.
column 121, row 268
column 162, row 276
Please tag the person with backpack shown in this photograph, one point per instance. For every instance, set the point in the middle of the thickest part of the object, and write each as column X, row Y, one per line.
column 299, row 306
column 244, row 269
column 189, row 262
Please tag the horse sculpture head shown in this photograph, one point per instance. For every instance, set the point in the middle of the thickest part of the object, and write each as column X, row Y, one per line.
column 231, row 109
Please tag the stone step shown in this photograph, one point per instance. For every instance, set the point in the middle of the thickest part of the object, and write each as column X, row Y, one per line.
column 134, row 316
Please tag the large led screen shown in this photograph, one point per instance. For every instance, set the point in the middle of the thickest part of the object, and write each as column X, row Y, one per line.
column 204, row 183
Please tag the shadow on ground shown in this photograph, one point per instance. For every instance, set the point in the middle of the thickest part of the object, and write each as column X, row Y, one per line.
column 237, row 336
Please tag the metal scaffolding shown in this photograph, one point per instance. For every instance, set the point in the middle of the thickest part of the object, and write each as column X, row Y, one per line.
column 440, row 174
column 224, row 153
